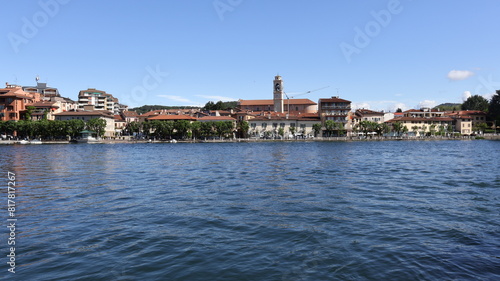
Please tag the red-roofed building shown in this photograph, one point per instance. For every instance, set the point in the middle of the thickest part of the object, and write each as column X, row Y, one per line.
column 13, row 102
column 279, row 103
column 295, row 105
column 335, row 109
column 419, row 122
column 171, row 118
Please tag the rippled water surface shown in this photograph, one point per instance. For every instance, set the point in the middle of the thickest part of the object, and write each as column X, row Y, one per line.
column 394, row 210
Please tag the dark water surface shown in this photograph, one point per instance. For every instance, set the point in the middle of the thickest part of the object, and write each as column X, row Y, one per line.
column 407, row 210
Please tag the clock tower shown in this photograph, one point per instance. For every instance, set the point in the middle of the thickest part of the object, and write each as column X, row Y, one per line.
column 278, row 94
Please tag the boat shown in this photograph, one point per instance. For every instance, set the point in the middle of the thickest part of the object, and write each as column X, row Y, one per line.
column 23, row 142
column 36, row 141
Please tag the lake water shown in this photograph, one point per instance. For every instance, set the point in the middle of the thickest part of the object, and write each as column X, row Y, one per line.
column 392, row 210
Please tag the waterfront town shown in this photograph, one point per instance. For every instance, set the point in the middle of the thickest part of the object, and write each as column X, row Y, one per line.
column 278, row 118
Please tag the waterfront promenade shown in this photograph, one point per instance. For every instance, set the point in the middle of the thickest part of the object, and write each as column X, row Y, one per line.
column 317, row 139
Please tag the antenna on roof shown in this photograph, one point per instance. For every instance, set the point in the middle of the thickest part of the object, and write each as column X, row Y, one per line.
column 37, row 78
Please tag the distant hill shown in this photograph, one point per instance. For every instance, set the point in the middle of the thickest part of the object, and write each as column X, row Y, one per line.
column 147, row 108
column 449, row 106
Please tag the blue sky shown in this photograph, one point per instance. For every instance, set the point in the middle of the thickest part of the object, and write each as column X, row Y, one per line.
column 378, row 54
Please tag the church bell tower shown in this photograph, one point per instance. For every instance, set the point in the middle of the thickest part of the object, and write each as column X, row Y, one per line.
column 278, row 94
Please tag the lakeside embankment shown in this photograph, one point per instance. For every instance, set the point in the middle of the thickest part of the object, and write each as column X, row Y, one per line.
column 319, row 139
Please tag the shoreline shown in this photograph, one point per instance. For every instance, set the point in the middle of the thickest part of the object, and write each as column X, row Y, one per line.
column 250, row 140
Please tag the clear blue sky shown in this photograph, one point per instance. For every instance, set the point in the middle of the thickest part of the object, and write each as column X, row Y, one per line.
column 378, row 54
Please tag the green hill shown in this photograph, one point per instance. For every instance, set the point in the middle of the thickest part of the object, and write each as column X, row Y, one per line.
column 147, row 108
column 449, row 106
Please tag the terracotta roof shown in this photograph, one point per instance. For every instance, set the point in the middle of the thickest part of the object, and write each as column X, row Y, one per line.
column 173, row 117
column 44, row 104
column 119, row 118
column 86, row 113
column 150, row 113
column 130, row 113
column 271, row 102
column 334, row 99
column 216, row 118
column 16, row 92
column 283, row 116
column 439, row 119
column 367, row 111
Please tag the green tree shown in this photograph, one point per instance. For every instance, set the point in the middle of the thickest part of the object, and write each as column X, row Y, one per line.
column 206, row 129
column 330, row 126
column 182, row 128
column 131, row 128
column 74, row 127
column 423, row 130
column 481, row 127
column 196, row 129
column 316, row 128
column 243, row 128
column 476, row 102
column 340, row 129
column 223, row 128
column 29, row 112
column 494, row 107
column 281, row 132
column 97, row 125
column 432, row 129
column 398, row 127
column 414, row 129
column 367, row 126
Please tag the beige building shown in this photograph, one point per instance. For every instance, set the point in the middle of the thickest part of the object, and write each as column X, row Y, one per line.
column 88, row 115
column 268, row 125
column 100, row 100
column 368, row 115
column 423, row 121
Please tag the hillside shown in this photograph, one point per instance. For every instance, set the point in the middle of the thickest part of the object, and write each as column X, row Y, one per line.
column 147, row 108
column 448, row 106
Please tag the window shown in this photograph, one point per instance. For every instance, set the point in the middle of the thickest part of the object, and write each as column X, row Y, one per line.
column 275, row 125
column 264, row 125
column 282, row 125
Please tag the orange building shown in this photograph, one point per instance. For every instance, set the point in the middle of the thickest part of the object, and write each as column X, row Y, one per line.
column 14, row 101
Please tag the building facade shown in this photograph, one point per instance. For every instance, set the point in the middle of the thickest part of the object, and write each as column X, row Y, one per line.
column 88, row 115
column 100, row 100
column 14, row 102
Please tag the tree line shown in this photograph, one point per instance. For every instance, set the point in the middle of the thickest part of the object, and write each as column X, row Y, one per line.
column 183, row 129
column 51, row 129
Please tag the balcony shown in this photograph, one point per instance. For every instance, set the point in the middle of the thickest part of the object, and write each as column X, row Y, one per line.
column 345, row 107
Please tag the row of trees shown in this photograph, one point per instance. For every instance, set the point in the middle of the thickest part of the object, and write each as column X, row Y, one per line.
column 220, row 105
column 399, row 128
column 492, row 107
column 51, row 130
column 184, row 129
